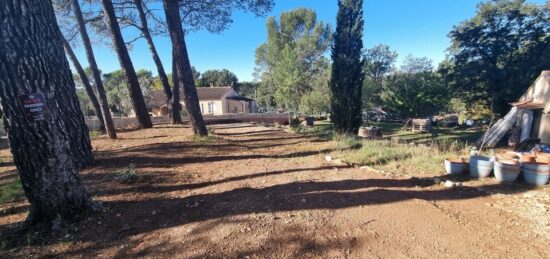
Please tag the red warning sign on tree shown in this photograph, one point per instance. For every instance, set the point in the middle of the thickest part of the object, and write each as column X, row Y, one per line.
column 34, row 106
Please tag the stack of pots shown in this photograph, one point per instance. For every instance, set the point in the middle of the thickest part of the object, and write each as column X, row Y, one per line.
column 507, row 167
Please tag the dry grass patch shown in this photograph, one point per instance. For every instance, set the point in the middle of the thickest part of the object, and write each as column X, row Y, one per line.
column 397, row 158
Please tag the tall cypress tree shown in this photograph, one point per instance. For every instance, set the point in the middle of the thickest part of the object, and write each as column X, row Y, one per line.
column 347, row 74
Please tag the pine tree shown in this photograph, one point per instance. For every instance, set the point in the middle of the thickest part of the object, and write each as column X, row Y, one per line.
column 347, row 74
column 43, row 118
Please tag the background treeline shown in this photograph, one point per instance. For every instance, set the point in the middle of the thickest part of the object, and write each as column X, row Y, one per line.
column 493, row 59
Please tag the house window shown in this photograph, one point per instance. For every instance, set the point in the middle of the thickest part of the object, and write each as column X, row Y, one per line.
column 211, row 107
column 202, row 107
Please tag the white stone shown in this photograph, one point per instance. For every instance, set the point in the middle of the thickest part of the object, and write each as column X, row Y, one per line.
column 449, row 184
column 328, row 158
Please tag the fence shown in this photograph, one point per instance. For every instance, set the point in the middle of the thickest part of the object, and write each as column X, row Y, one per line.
column 267, row 118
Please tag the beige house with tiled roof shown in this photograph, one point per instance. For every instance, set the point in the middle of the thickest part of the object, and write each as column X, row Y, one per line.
column 213, row 101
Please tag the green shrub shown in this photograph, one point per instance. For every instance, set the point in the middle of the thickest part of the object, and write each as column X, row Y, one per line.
column 344, row 142
column 204, row 139
column 128, row 174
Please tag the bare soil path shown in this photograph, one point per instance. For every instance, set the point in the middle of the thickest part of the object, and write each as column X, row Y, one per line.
column 258, row 192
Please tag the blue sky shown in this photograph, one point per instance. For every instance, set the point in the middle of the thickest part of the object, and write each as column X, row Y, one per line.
column 417, row 27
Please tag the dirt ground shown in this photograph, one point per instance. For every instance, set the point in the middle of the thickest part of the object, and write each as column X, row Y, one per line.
column 259, row 192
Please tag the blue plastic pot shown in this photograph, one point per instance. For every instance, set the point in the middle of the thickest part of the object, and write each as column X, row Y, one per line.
column 480, row 166
column 536, row 173
column 455, row 167
column 506, row 172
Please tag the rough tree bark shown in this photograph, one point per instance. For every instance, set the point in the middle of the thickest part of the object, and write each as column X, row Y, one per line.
column 176, row 105
column 108, row 119
column 86, row 83
column 183, row 66
column 147, row 35
column 140, row 108
column 32, row 61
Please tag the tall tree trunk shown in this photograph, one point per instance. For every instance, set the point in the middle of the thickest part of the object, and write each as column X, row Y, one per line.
column 32, row 62
column 185, row 74
column 86, row 83
column 140, row 108
column 147, row 34
column 176, row 105
column 108, row 119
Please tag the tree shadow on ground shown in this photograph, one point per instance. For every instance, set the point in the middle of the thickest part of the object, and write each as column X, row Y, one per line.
column 191, row 186
column 249, row 133
column 166, row 155
column 295, row 196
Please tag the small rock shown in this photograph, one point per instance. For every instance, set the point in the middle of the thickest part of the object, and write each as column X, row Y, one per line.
column 154, row 212
column 303, row 200
column 364, row 167
column 118, row 215
column 437, row 180
column 328, row 158
column 449, row 184
column 338, row 162
column 194, row 205
column 336, row 169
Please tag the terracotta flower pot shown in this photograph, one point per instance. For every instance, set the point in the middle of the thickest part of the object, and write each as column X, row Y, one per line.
column 543, row 159
column 509, row 155
column 528, row 158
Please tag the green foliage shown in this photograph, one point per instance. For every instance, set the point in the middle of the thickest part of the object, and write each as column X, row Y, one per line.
column 202, row 140
column 315, row 102
column 216, row 15
column 347, row 69
column 296, row 126
column 415, row 91
column 11, row 191
column 249, row 89
column 499, row 52
column 345, row 141
column 117, row 90
column 379, row 61
column 157, row 84
column 215, row 77
column 128, row 174
column 291, row 59
column 95, row 133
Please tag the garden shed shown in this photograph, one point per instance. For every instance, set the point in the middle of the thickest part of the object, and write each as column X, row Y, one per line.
column 531, row 113
column 534, row 108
